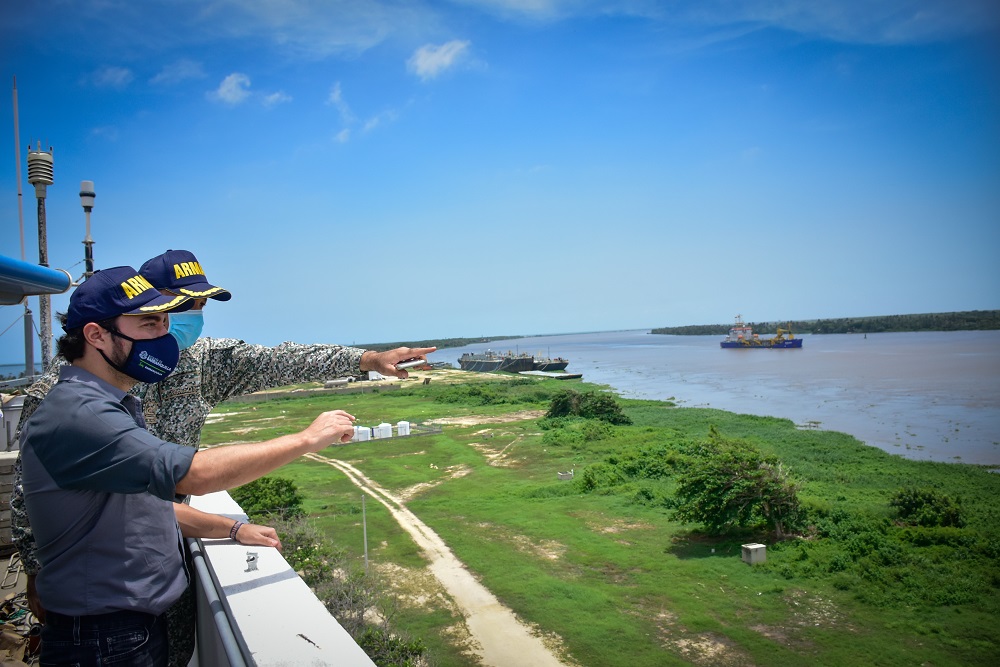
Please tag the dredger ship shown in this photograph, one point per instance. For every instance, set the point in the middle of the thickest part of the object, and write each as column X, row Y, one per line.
column 741, row 337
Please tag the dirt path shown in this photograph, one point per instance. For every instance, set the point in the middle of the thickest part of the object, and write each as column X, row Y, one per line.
column 503, row 640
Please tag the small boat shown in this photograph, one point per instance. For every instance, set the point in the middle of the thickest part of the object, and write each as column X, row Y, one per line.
column 741, row 337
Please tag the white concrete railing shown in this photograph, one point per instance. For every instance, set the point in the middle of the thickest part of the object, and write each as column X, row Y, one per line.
column 263, row 616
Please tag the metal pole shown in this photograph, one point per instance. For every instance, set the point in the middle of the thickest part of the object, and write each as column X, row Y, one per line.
column 44, row 300
column 29, row 342
column 87, row 200
column 364, row 528
column 29, row 335
column 40, row 175
column 17, row 149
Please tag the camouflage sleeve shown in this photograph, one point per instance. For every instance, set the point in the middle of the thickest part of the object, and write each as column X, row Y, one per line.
column 20, row 528
column 234, row 368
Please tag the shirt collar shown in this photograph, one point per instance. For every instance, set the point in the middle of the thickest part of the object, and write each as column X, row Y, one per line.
column 77, row 374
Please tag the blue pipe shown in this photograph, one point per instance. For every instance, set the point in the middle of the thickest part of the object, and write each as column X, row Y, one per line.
column 19, row 279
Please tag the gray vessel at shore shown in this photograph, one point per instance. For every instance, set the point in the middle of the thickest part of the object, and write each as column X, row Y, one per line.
column 489, row 361
column 549, row 364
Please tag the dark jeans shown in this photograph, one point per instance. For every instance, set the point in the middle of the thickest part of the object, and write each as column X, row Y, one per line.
column 121, row 638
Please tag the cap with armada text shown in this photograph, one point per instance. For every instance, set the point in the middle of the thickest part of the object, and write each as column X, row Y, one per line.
column 179, row 272
column 119, row 290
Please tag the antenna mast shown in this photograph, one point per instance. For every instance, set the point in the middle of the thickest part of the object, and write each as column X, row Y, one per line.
column 40, row 175
column 17, row 151
column 87, row 201
column 29, row 333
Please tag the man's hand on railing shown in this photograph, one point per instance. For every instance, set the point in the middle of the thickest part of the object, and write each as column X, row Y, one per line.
column 250, row 534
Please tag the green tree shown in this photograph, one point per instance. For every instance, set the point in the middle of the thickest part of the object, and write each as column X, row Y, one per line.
column 591, row 405
column 269, row 496
column 733, row 485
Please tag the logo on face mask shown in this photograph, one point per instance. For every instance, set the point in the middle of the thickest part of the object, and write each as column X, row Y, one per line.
column 147, row 358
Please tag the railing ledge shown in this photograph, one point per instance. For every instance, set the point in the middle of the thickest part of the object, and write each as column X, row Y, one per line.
column 275, row 619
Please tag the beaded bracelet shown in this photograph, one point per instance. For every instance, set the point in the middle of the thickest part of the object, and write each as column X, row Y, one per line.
column 235, row 529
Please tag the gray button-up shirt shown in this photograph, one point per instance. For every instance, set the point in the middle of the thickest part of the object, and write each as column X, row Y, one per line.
column 98, row 490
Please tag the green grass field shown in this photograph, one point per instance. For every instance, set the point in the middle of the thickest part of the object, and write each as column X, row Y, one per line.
column 611, row 574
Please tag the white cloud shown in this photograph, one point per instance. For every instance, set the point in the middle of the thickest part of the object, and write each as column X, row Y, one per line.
column 343, row 136
column 336, row 99
column 386, row 116
column 278, row 97
column 234, row 89
column 105, row 132
column 176, row 72
column 312, row 29
column 853, row 21
column 553, row 10
column 112, row 77
column 429, row 60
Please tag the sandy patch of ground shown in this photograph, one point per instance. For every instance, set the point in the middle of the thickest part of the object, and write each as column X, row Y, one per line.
column 475, row 420
column 451, row 472
column 401, row 455
column 620, row 525
column 805, row 611
column 705, row 649
column 543, row 549
column 546, row 549
column 420, row 589
column 498, row 455
column 498, row 637
column 710, row 650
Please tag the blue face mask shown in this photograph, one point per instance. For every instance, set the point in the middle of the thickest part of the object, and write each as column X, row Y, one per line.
column 151, row 359
column 186, row 327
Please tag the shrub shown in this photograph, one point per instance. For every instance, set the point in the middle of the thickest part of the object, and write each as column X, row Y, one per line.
column 600, row 475
column 927, row 507
column 596, row 430
column 308, row 552
column 354, row 596
column 385, row 648
column 269, row 496
column 507, row 392
column 592, row 405
column 603, row 407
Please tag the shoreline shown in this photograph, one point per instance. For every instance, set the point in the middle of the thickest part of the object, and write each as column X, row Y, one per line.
column 451, row 375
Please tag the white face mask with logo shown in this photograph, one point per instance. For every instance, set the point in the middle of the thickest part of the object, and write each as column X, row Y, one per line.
column 186, row 327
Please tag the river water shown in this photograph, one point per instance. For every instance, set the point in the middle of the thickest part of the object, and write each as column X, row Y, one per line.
column 928, row 395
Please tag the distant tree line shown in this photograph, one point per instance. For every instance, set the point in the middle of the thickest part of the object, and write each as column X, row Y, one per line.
column 970, row 320
column 439, row 343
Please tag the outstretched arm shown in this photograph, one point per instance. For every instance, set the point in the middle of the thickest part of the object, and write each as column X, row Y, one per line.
column 385, row 362
column 223, row 468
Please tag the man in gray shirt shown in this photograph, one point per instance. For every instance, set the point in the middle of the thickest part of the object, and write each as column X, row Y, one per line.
column 209, row 371
column 98, row 487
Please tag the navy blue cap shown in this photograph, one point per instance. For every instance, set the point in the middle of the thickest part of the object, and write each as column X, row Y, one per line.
column 119, row 290
column 180, row 272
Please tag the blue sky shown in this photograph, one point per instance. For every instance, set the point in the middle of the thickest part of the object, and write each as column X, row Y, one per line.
column 378, row 171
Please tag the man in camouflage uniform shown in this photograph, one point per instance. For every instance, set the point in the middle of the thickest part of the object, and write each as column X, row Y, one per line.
column 210, row 371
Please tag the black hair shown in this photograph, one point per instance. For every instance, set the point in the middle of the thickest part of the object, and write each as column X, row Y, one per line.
column 72, row 344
